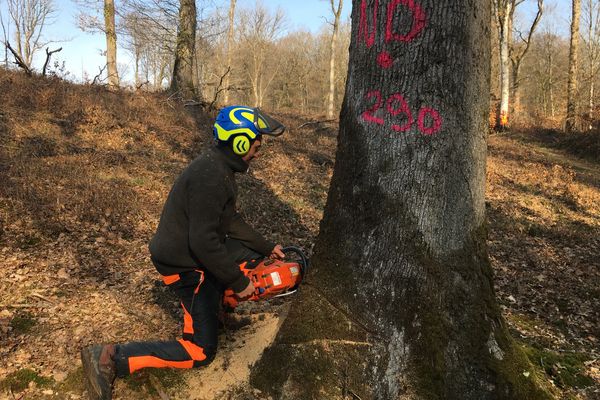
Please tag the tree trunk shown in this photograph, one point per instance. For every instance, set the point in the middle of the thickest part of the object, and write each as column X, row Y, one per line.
column 505, row 12
column 183, row 69
column 399, row 302
column 111, row 44
column 591, row 105
column 571, row 120
column 229, row 44
column 137, row 57
column 336, row 25
column 515, row 95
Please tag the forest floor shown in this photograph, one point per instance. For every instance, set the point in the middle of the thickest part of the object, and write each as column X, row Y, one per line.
column 85, row 173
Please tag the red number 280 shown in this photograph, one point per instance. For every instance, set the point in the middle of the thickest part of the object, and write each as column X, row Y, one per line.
column 396, row 105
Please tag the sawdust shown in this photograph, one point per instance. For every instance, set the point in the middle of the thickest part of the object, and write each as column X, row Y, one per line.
column 231, row 368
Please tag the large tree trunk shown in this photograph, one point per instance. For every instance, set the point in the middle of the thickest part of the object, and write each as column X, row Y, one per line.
column 571, row 120
column 229, row 44
column 111, row 44
column 336, row 26
column 183, row 69
column 399, row 302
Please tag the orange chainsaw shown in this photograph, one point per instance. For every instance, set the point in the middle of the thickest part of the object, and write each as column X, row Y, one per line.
column 271, row 278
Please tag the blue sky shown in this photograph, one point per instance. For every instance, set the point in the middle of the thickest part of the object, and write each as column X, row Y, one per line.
column 81, row 51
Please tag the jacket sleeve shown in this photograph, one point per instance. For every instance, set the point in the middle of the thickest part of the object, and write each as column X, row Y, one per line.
column 243, row 232
column 204, row 214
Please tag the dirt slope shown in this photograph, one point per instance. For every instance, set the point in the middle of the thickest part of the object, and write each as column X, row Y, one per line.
column 85, row 173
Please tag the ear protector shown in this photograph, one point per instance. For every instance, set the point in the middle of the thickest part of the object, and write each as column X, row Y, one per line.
column 241, row 145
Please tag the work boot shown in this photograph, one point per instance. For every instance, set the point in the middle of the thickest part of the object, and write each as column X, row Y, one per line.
column 99, row 370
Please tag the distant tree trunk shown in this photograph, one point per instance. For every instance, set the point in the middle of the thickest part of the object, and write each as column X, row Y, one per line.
column 551, row 82
column 183, row 69
column 518, row 52
column 571, row 121
column 399, row 303
column 137, row 56
column 336, row 26
column 592, row 45
column 111, row 44
column 515, row 94
column 591, row 104
column 504, row 12
column 229, row 44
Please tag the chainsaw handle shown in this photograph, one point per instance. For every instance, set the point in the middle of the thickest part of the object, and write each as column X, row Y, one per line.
column 303, row 258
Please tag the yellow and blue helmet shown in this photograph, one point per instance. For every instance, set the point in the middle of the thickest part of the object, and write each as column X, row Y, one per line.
column 240, row 126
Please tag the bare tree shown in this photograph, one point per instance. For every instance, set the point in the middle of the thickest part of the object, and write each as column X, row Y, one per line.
column 183, row 68
column 258, row 30
column 5, row 34
column 504, row 12
column 150, row 32
column 337, row 11
column 591, row 41
column 89, row 20
column 511, row 54
column 571, row 120
column 29, row 17
column 519, row 50
column 111, row 43
column 229, row 44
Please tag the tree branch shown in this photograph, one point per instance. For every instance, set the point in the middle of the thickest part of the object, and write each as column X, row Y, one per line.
column 48, row 55
column 97, row 77
column 219, row 90
column 18, row 60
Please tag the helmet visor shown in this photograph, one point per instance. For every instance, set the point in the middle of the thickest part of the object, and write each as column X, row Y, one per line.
column 267, row 125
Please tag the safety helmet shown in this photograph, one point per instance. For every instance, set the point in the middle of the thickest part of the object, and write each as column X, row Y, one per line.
column 240, row 126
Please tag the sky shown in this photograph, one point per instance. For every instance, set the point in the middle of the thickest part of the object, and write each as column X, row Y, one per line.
column 82, row 51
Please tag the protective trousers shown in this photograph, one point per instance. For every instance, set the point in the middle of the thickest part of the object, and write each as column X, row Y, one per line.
column 200, row 295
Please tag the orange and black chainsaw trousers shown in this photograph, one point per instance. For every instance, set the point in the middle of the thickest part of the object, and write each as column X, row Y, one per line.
column 200, row 295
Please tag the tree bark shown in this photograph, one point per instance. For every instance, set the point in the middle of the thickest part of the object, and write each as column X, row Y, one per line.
column 336, row 26
column 571, row 121
column 399, row 302
column 229, row 44
column 183, row 69
column 111, row 44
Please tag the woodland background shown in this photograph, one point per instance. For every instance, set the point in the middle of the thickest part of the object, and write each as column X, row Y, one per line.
column 249, row 55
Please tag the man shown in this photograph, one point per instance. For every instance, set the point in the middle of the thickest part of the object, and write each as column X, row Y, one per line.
column 197, row 248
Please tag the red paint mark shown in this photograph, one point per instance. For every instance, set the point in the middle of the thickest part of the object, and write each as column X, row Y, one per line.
column 363, row 27
column 385, row 60
column 396, row 104
column 419, row 21
column 437, row 121
column 403, row 109
column 369, row 115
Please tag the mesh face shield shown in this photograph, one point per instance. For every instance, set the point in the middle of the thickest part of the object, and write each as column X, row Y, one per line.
column 267, row 125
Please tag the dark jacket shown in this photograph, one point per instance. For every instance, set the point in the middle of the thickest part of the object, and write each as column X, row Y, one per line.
column 199, row 213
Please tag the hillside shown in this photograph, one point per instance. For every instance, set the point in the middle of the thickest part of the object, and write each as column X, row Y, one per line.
column 85, row 173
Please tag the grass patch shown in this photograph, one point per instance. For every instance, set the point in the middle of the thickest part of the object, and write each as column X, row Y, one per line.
column 19, row 380
column 168, row 378
column 22, row 323
column 73, row 382
column 565, row 369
